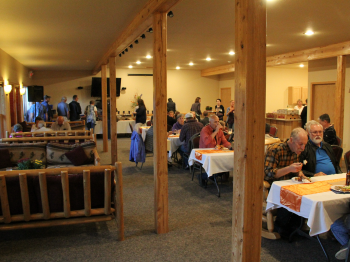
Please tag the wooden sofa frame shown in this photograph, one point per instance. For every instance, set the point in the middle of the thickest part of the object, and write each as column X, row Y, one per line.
column 67, row 217
column 73, row 124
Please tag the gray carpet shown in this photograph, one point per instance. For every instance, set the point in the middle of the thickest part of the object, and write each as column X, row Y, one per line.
column 199, row 222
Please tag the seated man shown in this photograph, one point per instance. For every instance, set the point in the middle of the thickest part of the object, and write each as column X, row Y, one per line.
column 180, row 122
column 205, row 119
column 281, row 162
column 190, row 128
column 40, row 127
column 60, row 125
column 319, row 155
column 36, row 123
column 267, row 131
column 329, row 134
column 170, row 118
column 212, row 135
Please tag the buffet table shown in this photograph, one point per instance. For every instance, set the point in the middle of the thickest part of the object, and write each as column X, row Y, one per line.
column 284, row 126
column 122, row 127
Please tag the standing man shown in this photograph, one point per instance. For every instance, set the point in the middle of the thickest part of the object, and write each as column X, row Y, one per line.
column 63, row 108
column 75, row 109
column 303, row 115
column 329, row 134
column 37, row 110
column 45, row 103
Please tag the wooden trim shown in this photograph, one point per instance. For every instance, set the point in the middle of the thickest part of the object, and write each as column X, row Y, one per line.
column 107, row 183
column 44, row 195
column 104, row 107
column 249, row 146
column 339, row 49
column 87, row 192
column 340, row 96
column 113, row 107
column 53, row 138
column 119, row 202
column 311, row 99
column 4, row 200
column 24, row 196
column 65, row 191
column 160, row 158
column 141, row 22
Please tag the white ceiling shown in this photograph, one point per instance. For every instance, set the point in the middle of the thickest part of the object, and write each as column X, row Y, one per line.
column 74, row 35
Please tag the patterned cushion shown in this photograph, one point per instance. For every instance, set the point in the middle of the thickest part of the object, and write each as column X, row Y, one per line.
column 33, row 151
column 56, row 152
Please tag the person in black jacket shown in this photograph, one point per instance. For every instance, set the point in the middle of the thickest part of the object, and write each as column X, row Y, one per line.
column 74, row 109
column 329, row 134
column 303, row 115
column 171, row 106
column 318, row 154
column 141, row 112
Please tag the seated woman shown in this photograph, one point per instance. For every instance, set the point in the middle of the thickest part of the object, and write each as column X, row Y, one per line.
column 180, row 122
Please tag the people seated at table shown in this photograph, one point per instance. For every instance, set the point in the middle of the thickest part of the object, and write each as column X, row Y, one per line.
column 149, row 138
column 140, row 113
column 40, row 127
column 60, row 125
column 179, row 123
column 219, row 109
column 230, row 113
column 63, row 108
column 329, row 134
column 341, row 229
column 17, row 128
column 190, row 128
column 299, row 106
column 36, row 123
column 205, row 119
column 170, row 118
column 318, row 154
column 212, row 135
column 281, row 162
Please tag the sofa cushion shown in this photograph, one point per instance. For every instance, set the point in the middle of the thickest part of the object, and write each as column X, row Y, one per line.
column 77, row 156
column 5, row 158
column 56, row 152
column 33, row 151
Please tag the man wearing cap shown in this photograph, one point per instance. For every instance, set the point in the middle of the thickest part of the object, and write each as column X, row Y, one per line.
column 45, row 103
column 190, row 128
column 63, row 108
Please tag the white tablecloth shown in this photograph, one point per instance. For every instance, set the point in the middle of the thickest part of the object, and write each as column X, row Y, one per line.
column 175, row 143
column 321, row 209
column 215, row 162
column 144, row 131
column 122, row 127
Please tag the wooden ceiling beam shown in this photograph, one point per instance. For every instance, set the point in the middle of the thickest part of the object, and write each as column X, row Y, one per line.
column 306, row 55
column 142, row 21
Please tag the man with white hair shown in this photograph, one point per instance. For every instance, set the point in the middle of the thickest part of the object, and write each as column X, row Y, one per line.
column 212, row 135
column 63, row 108
column 60, row 125
column 319, row 154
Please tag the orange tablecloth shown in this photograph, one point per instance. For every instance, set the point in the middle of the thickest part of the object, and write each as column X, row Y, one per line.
column 199, row 153
column 291, row 195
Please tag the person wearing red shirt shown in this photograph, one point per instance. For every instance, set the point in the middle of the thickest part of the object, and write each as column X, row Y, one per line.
column 212, row 135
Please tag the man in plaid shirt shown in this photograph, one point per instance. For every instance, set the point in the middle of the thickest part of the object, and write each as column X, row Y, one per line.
column 282, row 159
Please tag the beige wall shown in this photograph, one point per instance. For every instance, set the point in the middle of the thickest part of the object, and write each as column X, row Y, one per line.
column 183, row 87
column 326, row 70
column 277, row 81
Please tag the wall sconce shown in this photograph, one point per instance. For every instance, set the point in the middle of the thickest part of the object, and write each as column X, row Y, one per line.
column 22, row 91
column 8, row 89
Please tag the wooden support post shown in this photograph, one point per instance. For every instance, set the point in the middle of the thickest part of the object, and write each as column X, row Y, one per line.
column 87, row 192
column 113, row 117
column 107, row 184
column 119, row 207
column 340, row 96
column 65, row 190
column 4, row 200
column 44, row 195
column 250, row 94
column 160, row 122
column 104, row 107
column 24, row 196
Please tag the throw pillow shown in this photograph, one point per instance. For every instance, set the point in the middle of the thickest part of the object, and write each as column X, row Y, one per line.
column 5, row 158
column 77, row 156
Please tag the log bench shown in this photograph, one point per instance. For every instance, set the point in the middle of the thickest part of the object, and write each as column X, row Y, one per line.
column 61, row 196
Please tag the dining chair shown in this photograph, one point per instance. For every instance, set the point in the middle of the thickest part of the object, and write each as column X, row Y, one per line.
column 347, row 160
column 339, row 140
column 338, row 152
column 149, row 123
column 131, row 128
column 273, row 131
column 169, row 127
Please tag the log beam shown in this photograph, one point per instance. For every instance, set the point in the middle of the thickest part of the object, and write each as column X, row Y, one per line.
column 339, row 96
column 104, row 107
column 250, row 94
column 113, row 107
column 160, row 122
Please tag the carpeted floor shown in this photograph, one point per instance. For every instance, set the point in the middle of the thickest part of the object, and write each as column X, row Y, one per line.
column 200, row 227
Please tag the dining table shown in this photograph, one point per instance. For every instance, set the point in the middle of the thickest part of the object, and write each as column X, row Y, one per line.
column 175, row 143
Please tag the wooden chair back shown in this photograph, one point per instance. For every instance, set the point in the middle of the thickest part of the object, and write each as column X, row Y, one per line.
column 273, row 131
column 338, row 152
column 347, row 160
column 339, row 141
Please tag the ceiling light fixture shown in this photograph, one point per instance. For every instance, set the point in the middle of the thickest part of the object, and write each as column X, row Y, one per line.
column 136, row 41
column 148, row 57
column 130, row 66
column 143, row 36
column 171, row 14
column 126, row 50
column 131, row 46
column 120, row 55
column 301, row 65
column 309, row 32
column 231, row 53
column 138, row 62
column 177, row 67
column 123, row 52
column 150, row 30
column 208, row 59
column 191, row 64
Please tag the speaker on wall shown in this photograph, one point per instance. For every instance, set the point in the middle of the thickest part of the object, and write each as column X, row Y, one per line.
column 35, row 93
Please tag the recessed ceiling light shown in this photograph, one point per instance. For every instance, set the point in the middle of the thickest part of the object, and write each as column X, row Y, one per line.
column 177, row 67
column 191, row 64
column 231, row 53
column 130, row 66
column 138, row 62
column 309, row 32
column 148, row 57
column 301, row 65
column 208, row 59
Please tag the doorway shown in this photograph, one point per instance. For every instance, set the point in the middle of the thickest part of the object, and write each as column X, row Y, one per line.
column 225, row 96
column 322, row 100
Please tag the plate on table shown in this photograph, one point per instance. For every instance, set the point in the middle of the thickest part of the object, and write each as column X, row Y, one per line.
column 304, row 181
column 341, row 189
